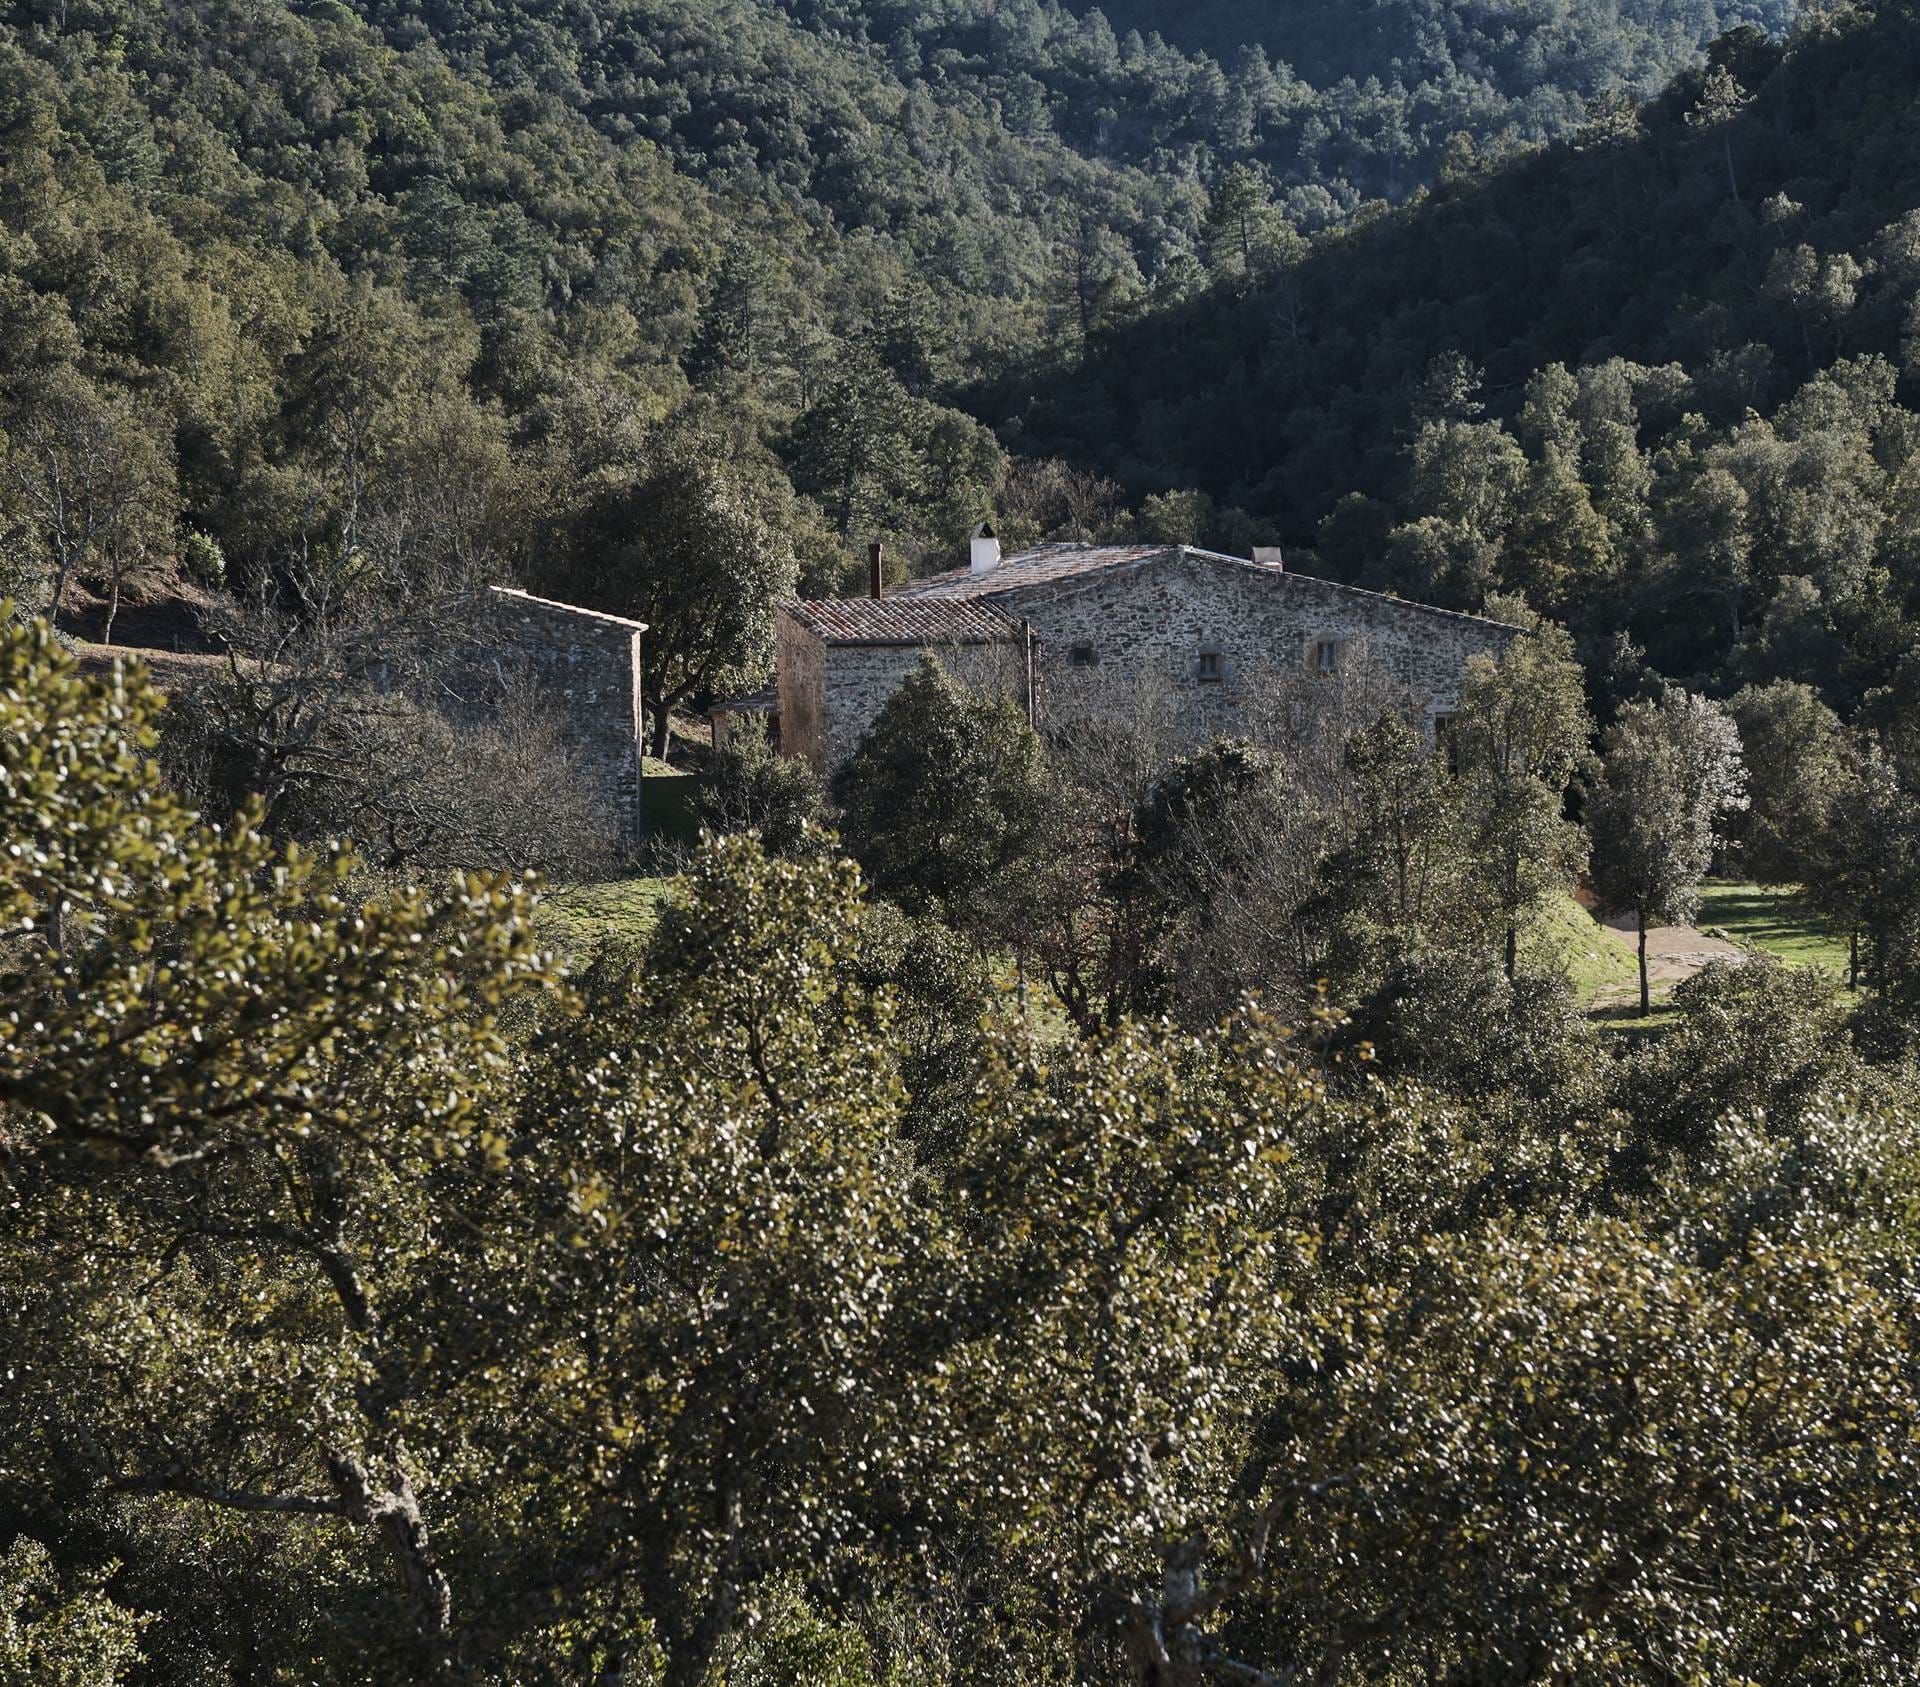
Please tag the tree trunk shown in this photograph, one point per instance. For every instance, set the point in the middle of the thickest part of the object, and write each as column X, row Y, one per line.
column 1513, row 950
column 396, row 1513
column 62, row 572
column 662, row 730
column 1733, row 186
column 1646, row 1000
column 113, row 609
column 1853, row 959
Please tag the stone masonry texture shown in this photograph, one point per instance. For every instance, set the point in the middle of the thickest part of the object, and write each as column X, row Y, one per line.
column 588, row 666
column 1210, row 627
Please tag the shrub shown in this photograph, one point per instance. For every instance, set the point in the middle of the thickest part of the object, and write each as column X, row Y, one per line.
column 753, row 788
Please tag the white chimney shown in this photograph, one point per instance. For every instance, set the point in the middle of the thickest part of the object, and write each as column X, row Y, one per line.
column 1271, row 555
column 986, row 549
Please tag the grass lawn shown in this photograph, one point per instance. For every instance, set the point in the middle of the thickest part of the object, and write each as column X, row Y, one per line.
column 1773, row 920
column 1596, row 958
column 572, row 917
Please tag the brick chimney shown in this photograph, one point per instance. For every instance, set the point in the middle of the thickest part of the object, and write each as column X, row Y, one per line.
column 986, row 549
column 876, row 582
column 1271, row 555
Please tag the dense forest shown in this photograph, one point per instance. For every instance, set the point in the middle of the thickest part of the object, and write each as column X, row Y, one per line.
column 1656, row 376
column 795, row 230
column 1065, row 1197
column 1544, row 51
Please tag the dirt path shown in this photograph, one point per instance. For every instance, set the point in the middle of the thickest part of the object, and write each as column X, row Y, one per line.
column 1674, row 954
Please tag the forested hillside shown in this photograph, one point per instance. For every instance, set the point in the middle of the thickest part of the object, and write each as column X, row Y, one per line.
column 392, row 284
column 1535, row 51
column 1658, row 376
column 1139, row 1175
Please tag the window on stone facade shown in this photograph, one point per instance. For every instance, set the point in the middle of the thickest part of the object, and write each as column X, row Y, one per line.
column 1083, row 656
column 1446, row 740
column 1324, row 656
column 1212, row 667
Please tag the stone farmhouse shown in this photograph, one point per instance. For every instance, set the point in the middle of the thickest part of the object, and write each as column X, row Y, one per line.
column 1210, row 626
column 1205, row 627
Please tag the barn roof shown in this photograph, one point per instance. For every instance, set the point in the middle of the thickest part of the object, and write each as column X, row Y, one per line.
column 1050, row 565
column 904, row 620
column 1041, row 566
column 514, row 593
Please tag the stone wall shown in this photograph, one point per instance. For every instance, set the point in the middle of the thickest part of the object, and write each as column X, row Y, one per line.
column 1147, row 628
column 830, row 694
column 1157, row 620
column 801, row 661
column 588, row 666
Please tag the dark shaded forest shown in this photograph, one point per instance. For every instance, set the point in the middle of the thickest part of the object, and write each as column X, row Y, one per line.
column 1657, row 376
column 1567, row 51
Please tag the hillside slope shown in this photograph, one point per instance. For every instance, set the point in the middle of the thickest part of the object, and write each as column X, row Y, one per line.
column 1516, row 49
column 389, row 282
column 1660, row 376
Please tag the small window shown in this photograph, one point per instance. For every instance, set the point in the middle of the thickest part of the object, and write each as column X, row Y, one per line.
column 1324, row 656
column 1446, row 740
column 1212, row 668
column 1082, row 656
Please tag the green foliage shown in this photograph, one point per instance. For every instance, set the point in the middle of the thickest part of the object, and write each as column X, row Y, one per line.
column 942, row 994
column 1869, row 872
column 856, row 449
column 1692, row 1416
column 681, row 548
column 1112, row 1390
column 1757, row 1039
column 1452, row 1018
column 1184, row 832
column 1670, row 771
column 465, row 259
column 58, row 1635
column 1797, row 765
column 1700, row 309
column 1520, row 736
column 240, row 1093
column 751, row 787
column 946, row 799
column 737, row 1237
column 773, row 1299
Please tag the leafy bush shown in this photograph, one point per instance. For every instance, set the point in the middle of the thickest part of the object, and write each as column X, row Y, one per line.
column 751, row 787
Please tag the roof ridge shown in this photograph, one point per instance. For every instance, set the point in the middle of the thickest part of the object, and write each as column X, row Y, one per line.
column 569, row 608
column 961, row 585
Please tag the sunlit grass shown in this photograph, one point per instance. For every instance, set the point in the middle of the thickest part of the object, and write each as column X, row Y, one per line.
column 573, row 917
column 1772, row 920
column 1595, row 958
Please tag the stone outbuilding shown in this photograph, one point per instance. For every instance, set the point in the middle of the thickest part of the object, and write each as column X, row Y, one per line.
column 587, row 664
column 1212, row 629
column 840, row 660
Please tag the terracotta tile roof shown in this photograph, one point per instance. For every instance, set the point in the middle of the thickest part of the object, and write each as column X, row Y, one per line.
column 1048, row 565
column 904, row 620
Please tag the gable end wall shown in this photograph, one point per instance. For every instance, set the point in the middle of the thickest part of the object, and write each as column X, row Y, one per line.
column 589, row 668
column 800, row 659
